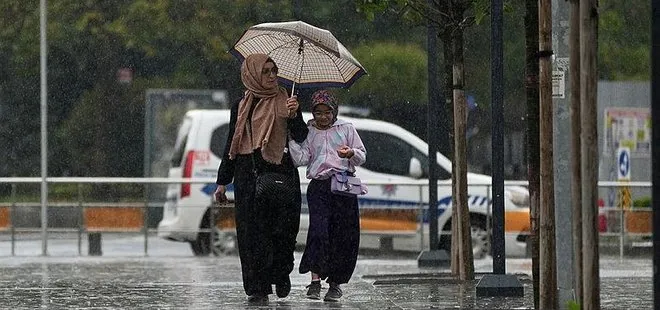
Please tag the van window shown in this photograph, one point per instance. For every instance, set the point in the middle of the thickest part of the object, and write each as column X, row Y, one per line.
column 390, row 155
column 219, row 139
column 180, row 144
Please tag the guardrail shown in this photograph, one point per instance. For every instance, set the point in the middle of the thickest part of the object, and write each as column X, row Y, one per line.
column 132, row 217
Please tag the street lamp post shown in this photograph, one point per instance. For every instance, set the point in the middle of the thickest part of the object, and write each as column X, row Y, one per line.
column 44, row 126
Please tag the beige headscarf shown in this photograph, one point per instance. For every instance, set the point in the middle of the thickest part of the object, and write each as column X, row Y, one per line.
column 269, row 119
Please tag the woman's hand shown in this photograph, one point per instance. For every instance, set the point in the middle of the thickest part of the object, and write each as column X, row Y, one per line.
column 345, row 152
column 219, row 194
column 292, row 105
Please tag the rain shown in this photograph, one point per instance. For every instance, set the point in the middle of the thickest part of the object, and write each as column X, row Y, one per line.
column 114, row 117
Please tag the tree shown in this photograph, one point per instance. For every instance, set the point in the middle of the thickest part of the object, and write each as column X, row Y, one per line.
column 533, row 151
column 452, row 19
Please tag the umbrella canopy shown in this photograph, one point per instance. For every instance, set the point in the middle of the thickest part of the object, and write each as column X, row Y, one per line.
column 305, row 55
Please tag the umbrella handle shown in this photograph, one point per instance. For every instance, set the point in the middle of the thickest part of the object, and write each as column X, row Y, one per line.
column 293, row 88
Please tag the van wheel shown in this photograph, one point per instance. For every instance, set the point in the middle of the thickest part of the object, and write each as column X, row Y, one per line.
column 481, row 245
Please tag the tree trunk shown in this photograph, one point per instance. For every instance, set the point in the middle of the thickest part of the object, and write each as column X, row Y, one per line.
column 447, row 41
column 589, row 151
column 547, row 262
column 576, row 180
column 532, row 92
column 466, row 262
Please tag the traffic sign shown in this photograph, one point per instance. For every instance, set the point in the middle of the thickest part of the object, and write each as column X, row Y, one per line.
column 623, row 163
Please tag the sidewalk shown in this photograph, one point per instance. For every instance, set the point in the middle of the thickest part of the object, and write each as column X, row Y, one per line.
column 215, row 283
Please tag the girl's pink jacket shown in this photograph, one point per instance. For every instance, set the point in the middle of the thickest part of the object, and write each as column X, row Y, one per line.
column 319, row 150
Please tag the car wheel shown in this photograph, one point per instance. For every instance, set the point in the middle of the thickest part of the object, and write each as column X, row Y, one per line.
column 480, row 238
column 481, row 245
column 200, row 246
column 216, row 243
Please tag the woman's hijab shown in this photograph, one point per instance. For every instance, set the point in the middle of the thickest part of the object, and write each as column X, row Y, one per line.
column 269, row 119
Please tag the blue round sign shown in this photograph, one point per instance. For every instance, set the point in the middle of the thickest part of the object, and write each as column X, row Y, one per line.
column 624, row 164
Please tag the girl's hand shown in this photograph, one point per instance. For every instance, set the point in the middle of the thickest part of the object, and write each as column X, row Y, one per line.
column 345, row 152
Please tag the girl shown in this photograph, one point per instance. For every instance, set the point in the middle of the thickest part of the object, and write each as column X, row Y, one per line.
column 333, row 237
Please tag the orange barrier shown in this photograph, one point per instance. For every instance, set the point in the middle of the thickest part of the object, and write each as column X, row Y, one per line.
column 114, row 218
column 226, row 219
column 5, row 220
column 516, row 220
column 388, row 220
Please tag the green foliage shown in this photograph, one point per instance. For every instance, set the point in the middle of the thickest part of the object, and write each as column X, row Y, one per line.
column 624, row 40
column 395, row 88
column 644, row 202
column 396, row 74
column 573, row 305
column 95, row 124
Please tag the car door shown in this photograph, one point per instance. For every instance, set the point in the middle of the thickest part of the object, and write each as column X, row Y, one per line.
column 392, row 206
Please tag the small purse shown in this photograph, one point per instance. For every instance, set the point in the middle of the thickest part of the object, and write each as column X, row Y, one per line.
column 343, row 184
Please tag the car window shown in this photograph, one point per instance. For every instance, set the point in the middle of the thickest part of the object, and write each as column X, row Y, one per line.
column 391, row 155
column 219, row 139
column 181, row 140
column 386, row 153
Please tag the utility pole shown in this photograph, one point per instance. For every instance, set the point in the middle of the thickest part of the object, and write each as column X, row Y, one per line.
column 655, row 149
column 589, row 151
column 498, row 283
column 576, row 173
column 43, row 52
column 434, row 257
column 561, row 152
column 547, row 260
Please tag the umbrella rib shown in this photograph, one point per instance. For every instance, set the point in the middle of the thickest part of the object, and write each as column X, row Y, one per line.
column 341, row 73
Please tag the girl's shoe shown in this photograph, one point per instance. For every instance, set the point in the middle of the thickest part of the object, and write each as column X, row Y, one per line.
column 334, row 293
column 314, row 290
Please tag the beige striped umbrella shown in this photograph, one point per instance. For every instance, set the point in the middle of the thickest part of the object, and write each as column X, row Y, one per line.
column 305, row 55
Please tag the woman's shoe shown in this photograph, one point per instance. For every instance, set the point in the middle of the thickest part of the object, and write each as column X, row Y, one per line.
column 283, row 288
column 314, row 290
column 334, row 293
column 258, row 298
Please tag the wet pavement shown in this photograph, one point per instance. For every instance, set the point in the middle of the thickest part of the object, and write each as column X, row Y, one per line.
column 61, row 282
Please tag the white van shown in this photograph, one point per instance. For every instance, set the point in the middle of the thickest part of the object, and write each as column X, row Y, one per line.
column 396, row 159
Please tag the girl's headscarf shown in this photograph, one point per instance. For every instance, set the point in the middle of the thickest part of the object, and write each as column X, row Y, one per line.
column 325, row 97
column 269, row 119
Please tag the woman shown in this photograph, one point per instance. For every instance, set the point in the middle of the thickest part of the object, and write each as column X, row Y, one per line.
column 259, row 126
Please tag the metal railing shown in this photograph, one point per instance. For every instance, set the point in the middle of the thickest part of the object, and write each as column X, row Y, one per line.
column 80, row 203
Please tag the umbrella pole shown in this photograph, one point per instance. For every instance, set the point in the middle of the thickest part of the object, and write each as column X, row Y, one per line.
column 300, row 64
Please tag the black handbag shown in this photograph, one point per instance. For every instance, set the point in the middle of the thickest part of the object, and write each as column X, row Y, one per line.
column 274, row 187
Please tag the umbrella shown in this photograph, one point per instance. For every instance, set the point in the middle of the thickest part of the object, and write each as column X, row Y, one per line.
column 305, row 55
